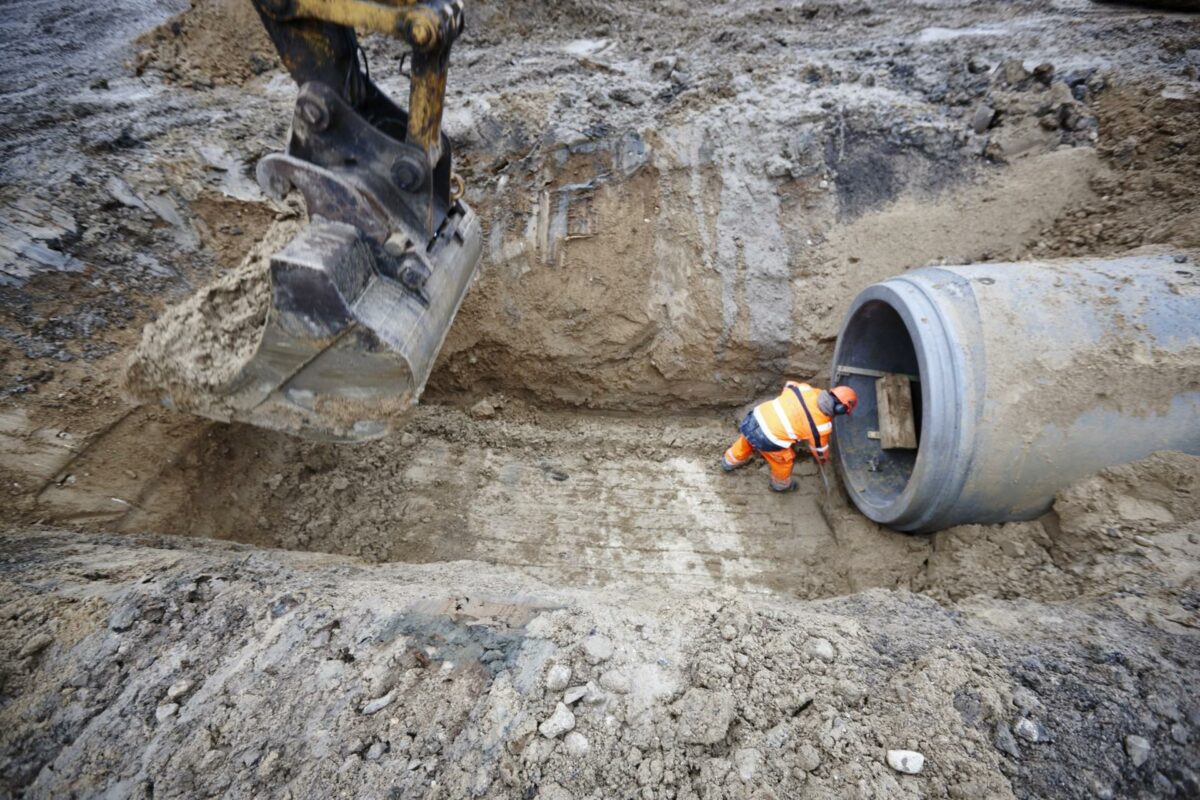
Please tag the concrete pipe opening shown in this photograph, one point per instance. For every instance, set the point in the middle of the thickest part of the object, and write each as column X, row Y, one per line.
column 1023, row 378
column 877, row 340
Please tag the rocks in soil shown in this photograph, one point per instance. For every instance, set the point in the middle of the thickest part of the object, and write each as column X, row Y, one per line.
column 977, row 66
column 123, row 617
column 747, row 761
column 484, row 409
column 820, row 649
column 576, row 744
column 808, row 758
column 1031, row 731
column 165, row 711
column 705, row 716
column 593, row 695
column 561, row 721
column 558, row 677
column 1003, row 740
column 630, row 96
column 615, row 681
column 702, row 710
column 597, row 649
column 178, row 689
column 1013, row 71
column 379, row 703
column 35, row 644
column 909, row 762
column 982, row 119
column 1138, row 749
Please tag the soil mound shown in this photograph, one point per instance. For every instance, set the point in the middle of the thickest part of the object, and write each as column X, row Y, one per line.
column 214, row 42
column 177, row 653
column 198, row 347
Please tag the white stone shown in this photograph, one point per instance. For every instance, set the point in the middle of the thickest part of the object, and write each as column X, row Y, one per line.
column 1031, row 731
column 165, row 711
column 573, row 694
column 380, row 703
column 616, row 682
column 597, row 649
column 1138, row 749
column 557, row 677
column 747, row 761
column 909, row 762
column 561, row 721
column 179, row 688
column 808, row 758
column 820, row 648
column 577, row 744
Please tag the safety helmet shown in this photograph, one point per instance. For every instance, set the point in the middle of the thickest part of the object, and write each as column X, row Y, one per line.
column 845, row 399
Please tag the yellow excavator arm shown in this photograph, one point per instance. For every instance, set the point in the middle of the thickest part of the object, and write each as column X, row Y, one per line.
column 362, row 297
column 316, row 40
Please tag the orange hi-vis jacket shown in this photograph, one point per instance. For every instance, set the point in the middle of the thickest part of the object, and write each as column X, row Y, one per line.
column 784, row 422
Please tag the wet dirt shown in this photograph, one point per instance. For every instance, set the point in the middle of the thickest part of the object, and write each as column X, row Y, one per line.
column 192, row 355
column 680, row 199
column 181, row 650
column 210, row 43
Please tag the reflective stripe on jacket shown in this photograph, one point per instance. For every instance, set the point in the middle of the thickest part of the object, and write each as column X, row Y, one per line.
column 783, row 420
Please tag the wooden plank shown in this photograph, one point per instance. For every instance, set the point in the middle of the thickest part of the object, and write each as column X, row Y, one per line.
column 897, row 428
column 873, row 373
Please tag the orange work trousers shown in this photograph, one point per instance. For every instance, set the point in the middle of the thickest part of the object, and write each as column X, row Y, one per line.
column 780, row 461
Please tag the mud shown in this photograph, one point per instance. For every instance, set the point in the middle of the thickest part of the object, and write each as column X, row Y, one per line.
column 176, row 654
column 680, row 199
column 192, row 354
column 208, row 44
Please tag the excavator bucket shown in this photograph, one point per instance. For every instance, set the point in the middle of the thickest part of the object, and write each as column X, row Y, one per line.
column 360, row 299
column 353, row 328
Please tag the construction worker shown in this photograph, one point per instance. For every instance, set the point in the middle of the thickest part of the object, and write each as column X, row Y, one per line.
column 802, row 413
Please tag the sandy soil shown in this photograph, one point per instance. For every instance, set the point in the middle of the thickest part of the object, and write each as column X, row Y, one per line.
column 680, row 200
column 157, row 666
column 190, row 355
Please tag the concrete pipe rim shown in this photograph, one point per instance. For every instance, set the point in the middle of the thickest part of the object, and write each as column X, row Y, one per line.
column 938, row 472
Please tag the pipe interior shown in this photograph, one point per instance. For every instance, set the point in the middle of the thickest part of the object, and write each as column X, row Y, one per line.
column 876, row 338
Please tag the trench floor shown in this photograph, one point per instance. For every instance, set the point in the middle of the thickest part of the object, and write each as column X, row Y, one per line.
column 568, row 499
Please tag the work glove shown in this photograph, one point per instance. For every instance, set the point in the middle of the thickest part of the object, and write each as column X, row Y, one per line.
column 820, row 456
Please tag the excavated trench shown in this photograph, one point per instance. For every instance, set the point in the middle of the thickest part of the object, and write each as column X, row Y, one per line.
column 682, row 201
column 651, row 265
column 571, row 499
column 617, row 327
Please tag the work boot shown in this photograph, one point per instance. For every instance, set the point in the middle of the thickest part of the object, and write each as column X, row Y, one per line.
column 790, row 486
column 730, row 466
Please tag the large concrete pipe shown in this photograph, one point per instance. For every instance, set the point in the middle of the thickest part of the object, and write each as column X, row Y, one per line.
column 1024, row 378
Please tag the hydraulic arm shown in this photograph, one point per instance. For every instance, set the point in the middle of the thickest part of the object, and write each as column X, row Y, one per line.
column 362, row 297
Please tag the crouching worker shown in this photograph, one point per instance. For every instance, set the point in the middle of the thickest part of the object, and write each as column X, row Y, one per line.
column 801, row 414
